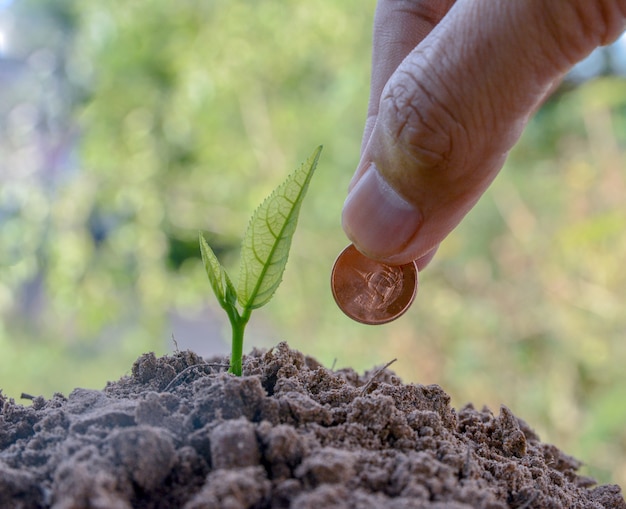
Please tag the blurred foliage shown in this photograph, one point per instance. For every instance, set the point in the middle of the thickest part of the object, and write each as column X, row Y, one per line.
column 126, row 127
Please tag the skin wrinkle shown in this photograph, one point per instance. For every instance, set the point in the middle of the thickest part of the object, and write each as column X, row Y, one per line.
column 413, row 133
column 578, row 30
column 484, row 116
column 432, row 136
column 416, row 153
column 565, row 52
column 603, row 26
column 490, row 78
column 406, row 103
column 442, row 84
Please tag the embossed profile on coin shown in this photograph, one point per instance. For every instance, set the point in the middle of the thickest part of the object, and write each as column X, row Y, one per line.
column 372, row 292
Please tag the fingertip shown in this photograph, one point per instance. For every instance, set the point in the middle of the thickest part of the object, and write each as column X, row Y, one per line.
column 379, row 221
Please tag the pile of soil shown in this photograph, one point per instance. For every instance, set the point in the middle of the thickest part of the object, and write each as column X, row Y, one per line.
column 179, row 432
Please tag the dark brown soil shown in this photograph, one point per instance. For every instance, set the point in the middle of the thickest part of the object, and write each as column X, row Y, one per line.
column 288, row 434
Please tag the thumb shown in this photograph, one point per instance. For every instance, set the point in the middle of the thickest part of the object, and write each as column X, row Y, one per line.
column 452, row 110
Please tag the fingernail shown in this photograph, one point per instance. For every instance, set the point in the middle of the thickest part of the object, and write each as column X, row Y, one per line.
column 355, row 179
column 377, row 219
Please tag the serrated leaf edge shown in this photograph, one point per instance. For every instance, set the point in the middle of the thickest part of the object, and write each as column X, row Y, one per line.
column 249, row 302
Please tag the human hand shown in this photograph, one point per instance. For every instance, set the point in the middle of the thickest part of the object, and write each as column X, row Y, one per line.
column 442, row 120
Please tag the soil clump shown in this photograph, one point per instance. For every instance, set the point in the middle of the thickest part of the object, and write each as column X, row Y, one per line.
column 179, row 432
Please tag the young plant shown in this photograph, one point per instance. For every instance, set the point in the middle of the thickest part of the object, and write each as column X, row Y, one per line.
column 264, row 254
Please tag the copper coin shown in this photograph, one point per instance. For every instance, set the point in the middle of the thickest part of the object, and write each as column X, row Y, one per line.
column 372, row 292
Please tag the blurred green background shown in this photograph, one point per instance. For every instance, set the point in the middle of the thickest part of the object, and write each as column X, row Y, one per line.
column 126, row 127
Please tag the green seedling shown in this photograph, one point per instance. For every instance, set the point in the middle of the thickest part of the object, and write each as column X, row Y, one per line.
column 264, row 254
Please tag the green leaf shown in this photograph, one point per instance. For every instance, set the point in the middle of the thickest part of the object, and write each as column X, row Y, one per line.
column 231, row 293
column 217, row 275
column 267, row 240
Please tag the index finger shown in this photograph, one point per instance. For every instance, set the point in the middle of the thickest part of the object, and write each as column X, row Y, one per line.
column 399, row 26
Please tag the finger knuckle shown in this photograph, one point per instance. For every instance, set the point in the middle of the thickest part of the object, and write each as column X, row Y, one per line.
column 419, row 119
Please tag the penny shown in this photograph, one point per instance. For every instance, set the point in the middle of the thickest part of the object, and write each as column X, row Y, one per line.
column 369, row 291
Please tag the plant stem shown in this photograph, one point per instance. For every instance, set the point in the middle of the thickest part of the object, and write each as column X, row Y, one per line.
column 238, row 324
